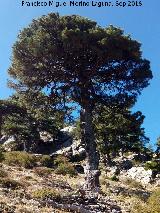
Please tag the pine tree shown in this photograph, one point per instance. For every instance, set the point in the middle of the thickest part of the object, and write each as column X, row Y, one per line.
column 80, row 62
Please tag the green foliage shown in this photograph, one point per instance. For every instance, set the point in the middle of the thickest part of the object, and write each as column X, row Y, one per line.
column 37, row 115
column 45, row 194
column 60, row 159
column 79, row 61
column 154, row 201
column 153, row 165
column 65, row 168
column 119, row 130
column 20, row 159
column 114, row 178
column 46, row 161
column 151, row 206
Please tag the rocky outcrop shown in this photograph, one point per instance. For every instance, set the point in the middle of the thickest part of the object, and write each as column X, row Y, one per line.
column 64, row 144
column 69, row 146
column 139, row 174
column 126, row 168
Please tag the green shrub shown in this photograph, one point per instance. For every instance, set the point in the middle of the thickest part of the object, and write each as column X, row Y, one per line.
column 114, row 178
column 154, row 201
column 151, row 206
column 45, row 194
column 60, row 159
column 20, row 159
column 46, row 161
column 153, row 165
column 65, row 168
column 42, row 172
column 9, row 183
column 136, row 162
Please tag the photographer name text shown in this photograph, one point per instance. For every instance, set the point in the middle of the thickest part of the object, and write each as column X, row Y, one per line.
column 73, row 3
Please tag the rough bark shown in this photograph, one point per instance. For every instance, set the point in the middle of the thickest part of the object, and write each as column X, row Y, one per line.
column 92, row 160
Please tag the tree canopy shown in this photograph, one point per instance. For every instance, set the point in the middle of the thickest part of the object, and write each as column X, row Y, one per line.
column 72, row 54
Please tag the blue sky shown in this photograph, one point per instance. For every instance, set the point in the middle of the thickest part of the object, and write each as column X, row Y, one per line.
column 142, row 23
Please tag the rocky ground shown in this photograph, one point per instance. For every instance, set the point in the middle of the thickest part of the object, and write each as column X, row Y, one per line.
column 125, row 186
column 36, row 190
column 40, row 190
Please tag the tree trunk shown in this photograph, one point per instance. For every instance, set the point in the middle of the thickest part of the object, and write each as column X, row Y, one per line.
column 92, row 160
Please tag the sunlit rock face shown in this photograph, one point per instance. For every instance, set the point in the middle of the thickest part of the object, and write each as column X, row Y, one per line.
column 139, row 174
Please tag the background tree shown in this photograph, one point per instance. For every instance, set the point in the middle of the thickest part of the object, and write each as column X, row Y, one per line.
column 80, row 62
column 38, row 116
column 119, row 130
column 6, row 108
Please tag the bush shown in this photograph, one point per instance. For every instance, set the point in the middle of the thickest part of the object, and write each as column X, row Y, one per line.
column 154, row 201
column 151, row 206
column 45, row 194
column 60, row 159
column 65, row 168
column 114, row 178
column 20, row 159
column 9, row 183
column 153, row 165
column 46, row 161
column 42, row 172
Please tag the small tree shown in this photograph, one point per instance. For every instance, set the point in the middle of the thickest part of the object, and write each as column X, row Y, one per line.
column 119, row 130
column 6, row 108
column 38, row 116
column 80, row 62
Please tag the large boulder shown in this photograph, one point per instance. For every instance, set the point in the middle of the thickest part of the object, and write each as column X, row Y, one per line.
column 139, row 174
column 69, row 146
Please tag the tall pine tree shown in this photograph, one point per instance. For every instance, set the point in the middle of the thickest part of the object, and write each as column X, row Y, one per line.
column 78, row 60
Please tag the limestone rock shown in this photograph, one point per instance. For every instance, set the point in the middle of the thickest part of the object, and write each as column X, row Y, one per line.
column 139, row 174
column 45, row 136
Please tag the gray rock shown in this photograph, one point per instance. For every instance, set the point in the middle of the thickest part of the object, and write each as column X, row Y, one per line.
column 45, row 136
column 139, row 174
